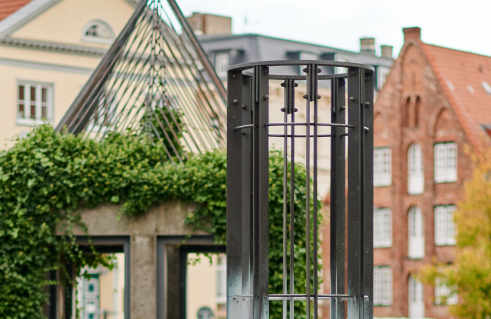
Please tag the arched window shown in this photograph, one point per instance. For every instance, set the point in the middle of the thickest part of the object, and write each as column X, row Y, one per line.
column 415, row 175
column 416, row 239
column 97, row 31
column 416, row 301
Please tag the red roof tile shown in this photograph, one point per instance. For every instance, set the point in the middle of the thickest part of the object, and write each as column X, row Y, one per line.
column 461, row 75
column 7, row 7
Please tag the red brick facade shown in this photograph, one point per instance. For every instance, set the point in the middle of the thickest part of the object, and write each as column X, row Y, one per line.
column 432, row 95
column 413, row 107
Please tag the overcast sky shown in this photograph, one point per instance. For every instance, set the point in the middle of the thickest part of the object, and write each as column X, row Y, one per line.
column 458, row 24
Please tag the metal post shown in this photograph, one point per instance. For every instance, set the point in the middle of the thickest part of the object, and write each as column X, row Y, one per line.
column 338, row 198
column 368, row 198
column 261, row 193
column 234, row 193
column 247, row 105
column 355, row 205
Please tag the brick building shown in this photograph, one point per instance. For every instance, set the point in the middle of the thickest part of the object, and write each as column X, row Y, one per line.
column 435, row 104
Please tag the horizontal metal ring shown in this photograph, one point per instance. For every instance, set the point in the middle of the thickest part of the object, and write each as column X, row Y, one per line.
column 249, row 65
column 283, row 135
column 298, row 296
column 301, row 77
column 305, row 124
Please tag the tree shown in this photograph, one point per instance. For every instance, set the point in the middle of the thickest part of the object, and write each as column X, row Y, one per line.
column 471, row 271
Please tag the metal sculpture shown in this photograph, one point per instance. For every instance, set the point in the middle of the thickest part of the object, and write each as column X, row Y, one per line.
column 248, row 133
column 155, row 79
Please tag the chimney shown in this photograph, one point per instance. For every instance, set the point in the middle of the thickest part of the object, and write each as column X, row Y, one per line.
column 210, row 24
column 367, row 45
column 413, row 33
column 386, row 51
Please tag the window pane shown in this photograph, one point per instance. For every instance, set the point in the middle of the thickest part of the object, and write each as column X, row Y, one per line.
column 44, row 94
column 450, row 225
column 21, row 92
column 33, row 93
column 440, row 172
column 440, row 225
column 33, row 111
column 44, row 112
column 222, row 61
column 21, row 111
column 451, row 162
column 382, row 167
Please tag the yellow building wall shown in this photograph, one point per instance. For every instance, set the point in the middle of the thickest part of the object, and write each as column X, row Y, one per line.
column 65, row 88
column 201, row 286
column 64, row 22
column 66, row 72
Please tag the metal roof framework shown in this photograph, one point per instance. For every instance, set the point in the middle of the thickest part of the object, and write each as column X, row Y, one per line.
column 155, row 79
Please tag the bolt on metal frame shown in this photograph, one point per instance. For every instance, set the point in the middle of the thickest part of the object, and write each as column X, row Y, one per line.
column 248, row 136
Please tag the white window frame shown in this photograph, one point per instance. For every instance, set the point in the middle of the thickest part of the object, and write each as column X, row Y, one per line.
column 415, row 298
column 382, row 167
column 415, row 173
column 415, row 233
column 221, row 279
column 99, row 24
column 222, row 62
column 37, row 103
column 443, row 292
column 382, row 286
column 445, row 229
column 382, row 227
column 445, row 158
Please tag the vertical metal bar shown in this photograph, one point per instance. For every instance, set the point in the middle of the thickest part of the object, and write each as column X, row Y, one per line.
column 197, row 46
column 246, row 194
column 183, row 273
column 314, row 83
column 234, row 193
column 261, row 194
column 368, row 198
column 285, row 195
column 127, row 278
column 307, row 189
column 355, row 206
column 161, row 306
column 99, row 75
column 291, row 98
column 338, row 191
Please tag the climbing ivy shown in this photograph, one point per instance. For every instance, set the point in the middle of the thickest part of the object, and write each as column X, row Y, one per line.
column 47, row 177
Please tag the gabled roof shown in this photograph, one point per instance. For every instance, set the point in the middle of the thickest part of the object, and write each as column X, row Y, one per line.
column 466, row 79
column 7, row 7
column 464, row 74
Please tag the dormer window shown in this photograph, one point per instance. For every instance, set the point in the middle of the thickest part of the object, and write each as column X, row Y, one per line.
column 98, row 31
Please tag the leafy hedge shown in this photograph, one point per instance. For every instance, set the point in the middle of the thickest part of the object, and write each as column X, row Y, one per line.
column 46, row 177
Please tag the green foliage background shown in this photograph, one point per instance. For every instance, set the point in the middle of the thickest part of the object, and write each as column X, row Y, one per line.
column 46, row 177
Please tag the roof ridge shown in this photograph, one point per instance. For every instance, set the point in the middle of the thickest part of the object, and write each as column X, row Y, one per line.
column 463, row 51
